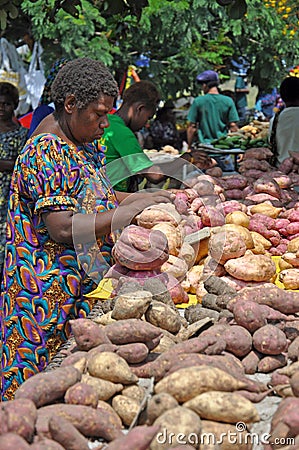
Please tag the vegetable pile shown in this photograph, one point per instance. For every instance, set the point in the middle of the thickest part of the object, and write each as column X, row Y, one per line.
column 199, row 361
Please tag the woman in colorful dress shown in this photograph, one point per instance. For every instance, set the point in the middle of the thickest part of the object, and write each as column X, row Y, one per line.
column 12, row 139
column 61, row 219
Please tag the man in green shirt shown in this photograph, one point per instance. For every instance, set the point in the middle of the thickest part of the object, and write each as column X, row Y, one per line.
column 124, row 155
column 211, row 115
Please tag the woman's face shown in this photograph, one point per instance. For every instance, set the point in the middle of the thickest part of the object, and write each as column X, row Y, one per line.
column 6, row 108
column 86, row 125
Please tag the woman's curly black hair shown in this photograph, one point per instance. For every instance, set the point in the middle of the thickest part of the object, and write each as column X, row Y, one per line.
column 11, row 92
column 85, row 78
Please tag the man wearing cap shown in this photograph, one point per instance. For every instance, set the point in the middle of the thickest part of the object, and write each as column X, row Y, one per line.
column 212, row 115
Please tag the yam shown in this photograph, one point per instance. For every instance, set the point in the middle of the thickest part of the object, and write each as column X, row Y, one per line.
column 19, row 416
column 82, row 394
column 238, row 340
column 139, row 438
column 225, row 245
column 223, row 433
column 46, row 444
column 111, row 367
column 174, row 424
column 157, row 405
column 163, row 316
column 271, row 362
column 131, row 305
column 89, row 421
column 228, row 407
column 104, row 388
column 126, row 408
column 251, row 267
column 88, row 334
column 133, row 353
column 270, row 340
column 131, row 330
column 135, row 392
column 66, row 434
column 46, row 387
column 185, row 384
column 12, row 441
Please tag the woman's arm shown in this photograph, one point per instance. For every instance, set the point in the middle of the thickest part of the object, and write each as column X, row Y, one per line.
column 62, row 225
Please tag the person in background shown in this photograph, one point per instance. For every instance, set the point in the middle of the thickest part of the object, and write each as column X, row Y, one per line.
column 284, row 130
column 163, row 129
column 211, row 115
column 124, row 154
column 46, row 105
column 62, row 217
column 12, row 139
column 241, row 91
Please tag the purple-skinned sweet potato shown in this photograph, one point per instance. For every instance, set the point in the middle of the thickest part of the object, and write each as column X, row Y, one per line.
column 139, row 438
column 66, row 434
column 46, row 387
column 270, row 340
column 88, row 334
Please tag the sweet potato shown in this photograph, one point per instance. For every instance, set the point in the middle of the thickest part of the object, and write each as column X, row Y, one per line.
column 270, row 340
column 223, row 433
column 290, row 278
column 131, row 305
column 82, row 394
column 247, row 314
column 251, row 267
column 157, row 405
column 271, row 362
column 77, row 359
column 163, row 316
column 173, row 234
column 133, row 353
column 126, row 408
column 135, row 392
column 104, row 388
column 88, row 421
column 250, row 362
column 139, row 438
column 293, row 349
column 66, row 434
column 175, row 424
column 111, row 367
column 238, row 340
column 12, row 441
column 185, row 384
column 285, row 420
column 294, row 382
column 273, row 296
column 19, row 416
column 46, row 444
column 131, row 330
column 225, row 245
column 228, row 407
column 45, row 387
column 88, row 334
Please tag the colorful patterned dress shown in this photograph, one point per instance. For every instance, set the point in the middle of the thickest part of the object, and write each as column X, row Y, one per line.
column 11, row 143
column 44, row 282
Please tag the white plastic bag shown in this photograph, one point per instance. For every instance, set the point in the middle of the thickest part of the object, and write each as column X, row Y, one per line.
column 35, row 78
column 13, row 71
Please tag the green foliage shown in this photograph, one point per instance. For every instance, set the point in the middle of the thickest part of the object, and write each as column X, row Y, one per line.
column 180, row 37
